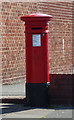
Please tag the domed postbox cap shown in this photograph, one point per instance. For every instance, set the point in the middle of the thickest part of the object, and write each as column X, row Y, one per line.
column 36, row 17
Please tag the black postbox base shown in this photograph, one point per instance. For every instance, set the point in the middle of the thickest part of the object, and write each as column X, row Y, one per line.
column 37, row 94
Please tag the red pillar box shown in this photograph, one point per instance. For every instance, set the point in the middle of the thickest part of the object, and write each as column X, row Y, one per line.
column 37, row 66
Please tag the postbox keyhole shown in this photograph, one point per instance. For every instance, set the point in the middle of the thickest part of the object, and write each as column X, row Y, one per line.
column 43, row 34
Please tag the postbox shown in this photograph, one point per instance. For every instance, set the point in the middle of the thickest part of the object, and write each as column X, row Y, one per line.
column 37, row 64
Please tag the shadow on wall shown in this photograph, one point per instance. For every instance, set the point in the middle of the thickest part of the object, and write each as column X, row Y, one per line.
column 61, row 89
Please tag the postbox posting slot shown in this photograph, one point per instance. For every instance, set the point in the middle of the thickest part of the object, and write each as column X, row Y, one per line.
column 36, row 28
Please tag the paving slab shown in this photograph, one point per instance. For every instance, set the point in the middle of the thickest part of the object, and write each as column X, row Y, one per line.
column 60, row 114
column 17, row 89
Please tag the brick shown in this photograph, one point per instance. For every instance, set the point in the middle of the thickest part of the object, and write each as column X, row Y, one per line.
column 13, row 37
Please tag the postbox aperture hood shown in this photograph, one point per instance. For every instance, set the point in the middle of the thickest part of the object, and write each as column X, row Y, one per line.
column 36, row 17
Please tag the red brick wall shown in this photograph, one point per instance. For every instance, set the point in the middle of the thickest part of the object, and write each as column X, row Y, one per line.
column 13, row 38
column 60, row 28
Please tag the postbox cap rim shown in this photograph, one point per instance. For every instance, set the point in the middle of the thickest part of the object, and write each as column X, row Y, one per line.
column 36, row 15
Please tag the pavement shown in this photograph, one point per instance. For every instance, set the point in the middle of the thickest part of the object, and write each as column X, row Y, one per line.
column 11, row 110
column 14, row 105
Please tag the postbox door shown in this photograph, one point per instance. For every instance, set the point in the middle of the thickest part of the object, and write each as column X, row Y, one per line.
column 40, row 58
